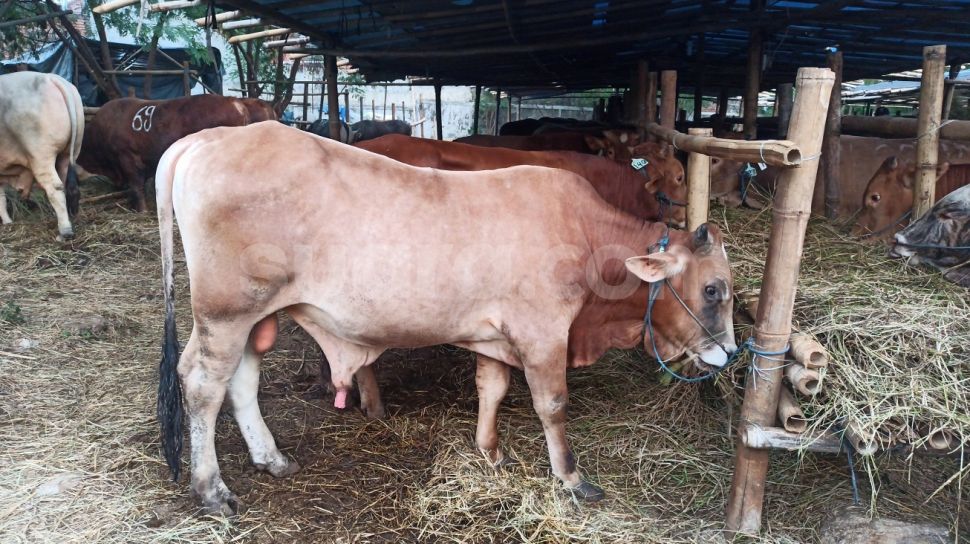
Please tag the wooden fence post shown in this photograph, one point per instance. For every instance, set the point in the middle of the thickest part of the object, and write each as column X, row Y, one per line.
column 790, row 214
column 186, row 79
column 652, row 97
column 831, row 148
column 950, row 89
column 668, row 98
column 783, row 104
column 698, row 183
column 333, row 100
column 437, row 111
column 753, row 84
column 928, row 129
column 478, row 108
column 498, row 109
column 640, row 85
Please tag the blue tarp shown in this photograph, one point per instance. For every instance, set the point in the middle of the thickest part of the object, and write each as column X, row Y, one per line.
column 57, row 58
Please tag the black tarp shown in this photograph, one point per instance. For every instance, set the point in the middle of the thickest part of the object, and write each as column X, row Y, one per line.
column 57, row 58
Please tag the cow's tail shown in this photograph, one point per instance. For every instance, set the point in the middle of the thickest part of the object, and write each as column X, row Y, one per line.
column 75, row 112
column 169, row 388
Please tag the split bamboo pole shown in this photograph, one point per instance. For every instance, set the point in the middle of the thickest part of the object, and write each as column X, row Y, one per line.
column 333, row 99
column 771, row 152
column 698, row 183
column 115, row 5
column 928, row 138
column 219, row 18
column 790, row 413
column 791, row 210
column 668, row 98
column 783, row 105
column 831, row 149
column 261, row 34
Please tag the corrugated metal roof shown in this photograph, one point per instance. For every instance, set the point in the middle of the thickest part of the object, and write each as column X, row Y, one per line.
column 576, row 44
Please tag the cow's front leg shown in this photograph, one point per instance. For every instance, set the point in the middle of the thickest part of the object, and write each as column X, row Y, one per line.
column 205, row 369
column 492, row 380
column 243, row 389
column 370, row 393
column 547, row 383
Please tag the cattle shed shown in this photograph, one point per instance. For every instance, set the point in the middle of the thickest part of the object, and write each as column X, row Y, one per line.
column 415, row 477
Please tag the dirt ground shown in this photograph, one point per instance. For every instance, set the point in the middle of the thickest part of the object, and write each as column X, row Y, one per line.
column 80, row 330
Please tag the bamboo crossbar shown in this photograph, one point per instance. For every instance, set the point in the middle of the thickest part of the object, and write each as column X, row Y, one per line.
column 149, row 72
column 768, row 438
column 173, row 5
column 219, row 18
column 273, row 44
column 771, row 152
column 242, row 23
column 114, row 5
column 261, row 34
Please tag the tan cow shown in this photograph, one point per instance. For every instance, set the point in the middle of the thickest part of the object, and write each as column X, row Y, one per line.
column 526, row 266
column 41, row 128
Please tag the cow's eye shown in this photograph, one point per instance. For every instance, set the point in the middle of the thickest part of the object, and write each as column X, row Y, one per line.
column 710, row 291
column 875, row 198
column 680, row 178
column 715, row 160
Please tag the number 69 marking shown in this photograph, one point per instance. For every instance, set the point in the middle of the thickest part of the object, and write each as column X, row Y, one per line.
column 142, row 121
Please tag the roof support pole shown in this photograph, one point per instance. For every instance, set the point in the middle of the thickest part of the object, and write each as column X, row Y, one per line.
column 928, row 129
column 831, row 149
column 790, row 213
column 783, row 103
column 753, row 84
column 652, row 97
column 640, row 85
column 950, row 89
column 498, row 109
column 333, row 100
column 668, row 98
column 509, row 117
column 437, row 111
column 478, row 108
column 699, row 81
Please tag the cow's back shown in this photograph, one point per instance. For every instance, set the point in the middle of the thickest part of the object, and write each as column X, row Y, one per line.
column 34, row 118
column 564, row 141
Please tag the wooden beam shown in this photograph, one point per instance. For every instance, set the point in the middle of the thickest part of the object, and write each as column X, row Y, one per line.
column 900, row 127
column 791, row 210
column 668, row 98
column 698, row 183
column 928, row 128
column 333, row 99
column 219, row 18
column 831, row 148
column 772, row 152
column 261, row 34
column 114, row 5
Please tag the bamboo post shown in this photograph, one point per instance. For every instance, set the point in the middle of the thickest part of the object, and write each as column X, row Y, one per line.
column 831, row 149
column 950, row 90
column 668, row 98
column 783, row 104
column 108, row 7
column 928, row 129
column 698, row 183
column 219, row 18
column 437, row 112
column 753, row 84
column 393, row 111
column 478, row 108
column 509, row 116
column 652, row 97
column 333, row 100
column 173, row 5
column 261, row 34
column 772, row 152
column 186, row 80
column 641, row 83
column 498, row 107
column 791, row 210
column 242, row 23
column 699, row 80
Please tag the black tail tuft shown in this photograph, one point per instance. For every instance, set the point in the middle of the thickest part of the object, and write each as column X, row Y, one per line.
column 170, row 394
column 72, row 192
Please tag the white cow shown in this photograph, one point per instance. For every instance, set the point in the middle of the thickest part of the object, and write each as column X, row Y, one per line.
column 41, row 127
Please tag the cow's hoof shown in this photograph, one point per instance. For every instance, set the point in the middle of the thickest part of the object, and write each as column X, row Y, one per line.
column 587, row 492
column 222, row 504
column 65, row 236
column 505, row 462
column 287, row 467
column 374, row 412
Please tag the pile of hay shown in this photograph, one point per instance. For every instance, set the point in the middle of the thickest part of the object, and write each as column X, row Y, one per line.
column 80, row 460
column 898, row 337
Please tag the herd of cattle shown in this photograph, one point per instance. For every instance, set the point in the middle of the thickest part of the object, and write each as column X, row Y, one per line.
column 538, row 251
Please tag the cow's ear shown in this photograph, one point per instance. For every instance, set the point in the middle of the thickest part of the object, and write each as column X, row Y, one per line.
column 651, row 186
column 596, row 143
column 659, row 266
column 891, row 163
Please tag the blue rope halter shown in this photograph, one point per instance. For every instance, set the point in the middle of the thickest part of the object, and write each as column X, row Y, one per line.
column 654, row 293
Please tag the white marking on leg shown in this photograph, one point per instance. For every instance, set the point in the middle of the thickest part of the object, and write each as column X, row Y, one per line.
column 4, row 216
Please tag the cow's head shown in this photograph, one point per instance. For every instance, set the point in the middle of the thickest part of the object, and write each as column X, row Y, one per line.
column 725, row 176
column 614, row 144
column 944, row 227
column 663, row 173
column 888, row 198
column 699, row 273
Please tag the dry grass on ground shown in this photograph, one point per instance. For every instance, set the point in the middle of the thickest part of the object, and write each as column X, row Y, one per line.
column 79, row 460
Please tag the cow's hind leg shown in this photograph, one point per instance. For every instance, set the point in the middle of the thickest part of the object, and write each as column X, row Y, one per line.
column 47, row 178
column 492, row 380
column 370, row 393
column 4, row 214
column 547, row 383
column 207, row 365
column 243, row 388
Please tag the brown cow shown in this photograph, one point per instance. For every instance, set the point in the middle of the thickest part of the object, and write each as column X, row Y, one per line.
column 127, row 137
column 41, row 129
column 526, row 266
column 559, row 141
column 888, row 200
column 631, row 191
